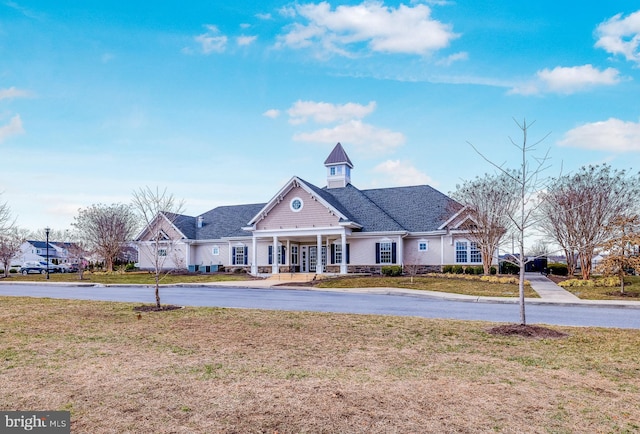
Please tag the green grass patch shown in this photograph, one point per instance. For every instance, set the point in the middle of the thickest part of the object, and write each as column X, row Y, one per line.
column 136, row 277
column 464, row 285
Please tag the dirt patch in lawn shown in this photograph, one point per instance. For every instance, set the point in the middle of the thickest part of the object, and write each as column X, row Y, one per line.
column 154, row 308
column 527, row 331
column 209, row 370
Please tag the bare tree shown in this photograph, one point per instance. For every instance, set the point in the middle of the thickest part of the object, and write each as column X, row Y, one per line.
column 10, row 242
column 488, row 202
column 581, row 208
column 159, row 211
column 622, row 247
column 105, row 229
column 528, row 183
column 7, row 222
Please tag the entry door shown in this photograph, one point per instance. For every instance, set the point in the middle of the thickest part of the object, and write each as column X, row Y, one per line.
column 304, row 266
column 313, row 258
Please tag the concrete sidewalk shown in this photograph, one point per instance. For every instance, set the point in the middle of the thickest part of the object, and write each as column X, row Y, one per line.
column 548, row 290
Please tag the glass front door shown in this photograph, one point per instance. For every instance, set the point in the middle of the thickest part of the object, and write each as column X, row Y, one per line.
column 313, row 258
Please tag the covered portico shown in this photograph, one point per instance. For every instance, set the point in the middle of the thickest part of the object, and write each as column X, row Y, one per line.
column 307, row 250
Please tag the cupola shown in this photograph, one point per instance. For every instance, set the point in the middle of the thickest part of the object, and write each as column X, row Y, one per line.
column 338, row 167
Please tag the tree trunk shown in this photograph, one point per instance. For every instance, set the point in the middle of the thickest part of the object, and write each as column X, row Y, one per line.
column 585, row 264
column 157, row 291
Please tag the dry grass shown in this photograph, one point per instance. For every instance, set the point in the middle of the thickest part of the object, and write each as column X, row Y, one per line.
column 210, row 370
column 135, row 277
column 449, row 284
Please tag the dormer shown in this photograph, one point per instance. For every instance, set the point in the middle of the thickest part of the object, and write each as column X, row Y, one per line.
column 338, row 167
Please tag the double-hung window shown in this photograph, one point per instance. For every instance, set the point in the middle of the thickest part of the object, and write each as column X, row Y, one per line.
column 461, row 251
column 475, row 254
column 468, row 252
column 239, row 255
column 385, row 253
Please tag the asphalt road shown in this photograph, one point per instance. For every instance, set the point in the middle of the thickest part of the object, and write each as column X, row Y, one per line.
column 341, row 302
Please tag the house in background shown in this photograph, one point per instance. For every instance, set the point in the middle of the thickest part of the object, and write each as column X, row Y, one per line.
column 33, row 250
column 307, row 229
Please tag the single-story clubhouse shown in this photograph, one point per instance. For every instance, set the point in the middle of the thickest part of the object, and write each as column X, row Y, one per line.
column 306, row 229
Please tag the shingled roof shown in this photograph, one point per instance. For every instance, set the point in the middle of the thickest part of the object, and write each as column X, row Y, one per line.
column 226, row 221
column 338, row 156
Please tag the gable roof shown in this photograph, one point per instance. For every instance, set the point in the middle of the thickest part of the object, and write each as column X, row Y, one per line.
column 338, row 156
column 226, row 221
column 184, row 223
column 38, row 244
column 418, row 208
column 309, row 188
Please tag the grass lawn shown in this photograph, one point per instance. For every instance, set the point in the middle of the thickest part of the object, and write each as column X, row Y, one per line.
column 631, row 289
column 136, row 277
column 205, row 370
column 441, row 284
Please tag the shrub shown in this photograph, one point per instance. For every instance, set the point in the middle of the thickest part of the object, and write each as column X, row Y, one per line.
column 457, row 269
column 391, row 270
column 447, row 268
column 494, row 270
column 130, row 266
column 468, row 270
column 12, row 270
column 558, row 269
column 509, row 268
column 605, row 282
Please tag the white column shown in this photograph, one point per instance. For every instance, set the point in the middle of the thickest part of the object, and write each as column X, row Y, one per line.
column 287, row 254
column 319, row 254
column 187, row 254
column 343, row 263
column 400, row 251
column 274, row 256
column 254, row 256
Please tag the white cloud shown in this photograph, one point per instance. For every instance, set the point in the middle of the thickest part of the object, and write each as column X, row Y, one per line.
column 610, row 135
column 567, row 80
column 212, row 41
column 323, row 112
column 265, row 16
column 12, row 92
column 272, row 113
column 365, row 137
column 456, row 57
column 620, row 35
column 12, row 128
column 400, row 173
column 246, row 40
column 405, row 29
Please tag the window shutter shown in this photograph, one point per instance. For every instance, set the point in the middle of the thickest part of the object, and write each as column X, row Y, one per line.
column 270, row 255
column 377, row 253
column 347, row 254
column 283, row 253
column 233, row 256
column 393, row 253
column 333, row 253
column 246, row 255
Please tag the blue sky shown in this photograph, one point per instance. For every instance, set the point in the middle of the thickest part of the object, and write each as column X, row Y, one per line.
column 223, row 103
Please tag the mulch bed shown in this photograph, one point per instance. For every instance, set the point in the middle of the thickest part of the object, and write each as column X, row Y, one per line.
column 526, row 331
column 625, row 294
column 154, row 308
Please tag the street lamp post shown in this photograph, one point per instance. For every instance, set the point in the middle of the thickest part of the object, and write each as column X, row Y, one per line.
column 46, row 231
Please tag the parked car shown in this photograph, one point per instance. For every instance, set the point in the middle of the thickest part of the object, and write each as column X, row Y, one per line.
column 33, row 267
column 39, row 267
column 69, row 268
column 53, row 268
